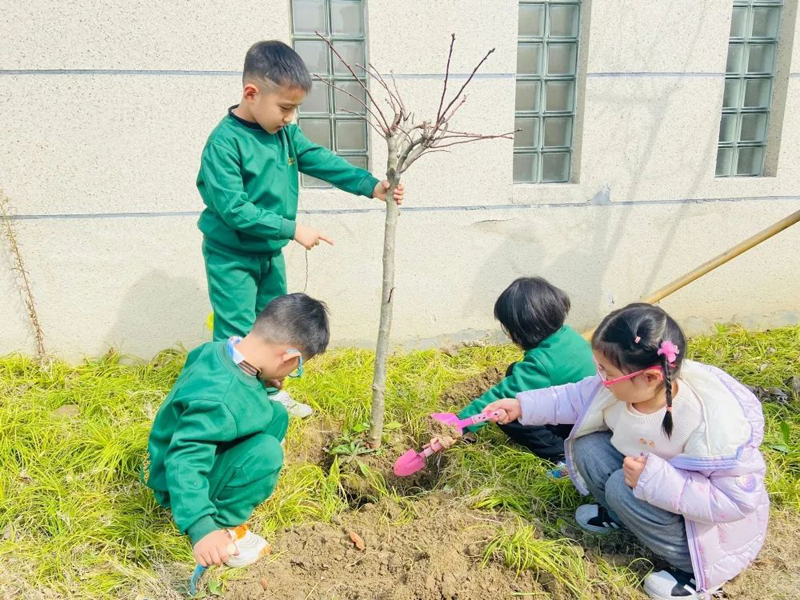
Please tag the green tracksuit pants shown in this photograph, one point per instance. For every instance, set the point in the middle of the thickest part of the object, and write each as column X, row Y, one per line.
column 240, row 286
column 244, row 473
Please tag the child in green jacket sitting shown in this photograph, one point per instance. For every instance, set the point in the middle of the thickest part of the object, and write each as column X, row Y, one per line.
column 214, row 452
column 532, row 313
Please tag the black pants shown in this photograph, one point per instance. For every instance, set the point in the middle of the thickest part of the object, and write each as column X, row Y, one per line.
column 545, row 441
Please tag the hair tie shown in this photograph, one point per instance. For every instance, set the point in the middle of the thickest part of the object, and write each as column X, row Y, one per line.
column 669, row 351
column 637, row 339
column 669, row 408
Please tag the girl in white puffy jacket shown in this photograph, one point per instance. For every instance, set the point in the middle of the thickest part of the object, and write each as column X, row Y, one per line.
column 668, row 448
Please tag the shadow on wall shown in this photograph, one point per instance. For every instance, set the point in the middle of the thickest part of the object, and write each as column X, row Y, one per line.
column 520, row 251
column 160, row 311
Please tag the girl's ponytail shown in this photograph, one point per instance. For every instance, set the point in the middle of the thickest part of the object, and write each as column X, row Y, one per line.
column 666, row 424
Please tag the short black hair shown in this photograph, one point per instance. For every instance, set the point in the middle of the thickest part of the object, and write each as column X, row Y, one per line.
column 276, row 62
column 530, row 310
column 295, row 320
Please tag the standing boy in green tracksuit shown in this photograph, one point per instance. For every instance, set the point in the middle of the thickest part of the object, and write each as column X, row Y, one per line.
column 249, row 183
column 214, row 452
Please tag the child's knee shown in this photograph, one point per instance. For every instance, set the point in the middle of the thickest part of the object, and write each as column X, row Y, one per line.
column 265, row 456
column 584, row 452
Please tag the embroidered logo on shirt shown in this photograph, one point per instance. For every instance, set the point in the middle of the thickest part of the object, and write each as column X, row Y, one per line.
column 651, row 443
column 291, row 161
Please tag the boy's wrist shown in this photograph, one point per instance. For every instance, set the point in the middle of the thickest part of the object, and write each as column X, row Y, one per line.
column 288, row 229
column 368, row 184
column 201, row 528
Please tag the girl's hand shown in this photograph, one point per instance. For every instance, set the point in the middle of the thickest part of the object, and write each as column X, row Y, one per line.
column 510, row 405
column 633, row 466
column 445, row 442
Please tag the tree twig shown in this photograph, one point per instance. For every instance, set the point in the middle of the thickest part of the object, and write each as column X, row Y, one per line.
column 446, row 76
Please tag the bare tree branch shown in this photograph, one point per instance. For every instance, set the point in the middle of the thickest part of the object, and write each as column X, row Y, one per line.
column 359, row 100
column 446, row 75
column 466, row 83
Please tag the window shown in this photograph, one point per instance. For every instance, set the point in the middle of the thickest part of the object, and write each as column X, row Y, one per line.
column 324, row 115
column 547, row 60
column 749, row 78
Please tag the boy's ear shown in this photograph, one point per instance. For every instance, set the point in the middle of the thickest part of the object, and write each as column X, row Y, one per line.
column 250, row 91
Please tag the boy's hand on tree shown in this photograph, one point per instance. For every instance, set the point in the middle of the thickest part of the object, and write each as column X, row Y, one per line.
column 510, row 405
column 632, row 467
column 309, row 238
column 215, row 548
column 382, row 186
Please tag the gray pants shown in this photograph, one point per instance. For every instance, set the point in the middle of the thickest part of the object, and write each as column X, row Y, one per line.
column 663, row 532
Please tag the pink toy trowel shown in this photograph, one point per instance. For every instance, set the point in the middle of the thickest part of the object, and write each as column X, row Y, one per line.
column 412, row 461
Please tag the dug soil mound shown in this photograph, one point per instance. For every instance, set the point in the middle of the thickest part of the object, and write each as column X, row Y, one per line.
column 465, row 392
column 428, row 550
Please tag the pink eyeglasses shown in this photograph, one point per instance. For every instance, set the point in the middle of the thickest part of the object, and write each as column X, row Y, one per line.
column 609, row 382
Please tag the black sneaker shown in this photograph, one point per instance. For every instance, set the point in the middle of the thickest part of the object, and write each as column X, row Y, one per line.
column 673, row 583
column 595, row 518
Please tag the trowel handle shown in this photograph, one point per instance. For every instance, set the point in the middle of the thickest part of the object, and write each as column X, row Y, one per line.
column 431, row 448
column 492, row 416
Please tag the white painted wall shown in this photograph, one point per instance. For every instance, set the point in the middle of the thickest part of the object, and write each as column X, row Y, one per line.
column 105, row 107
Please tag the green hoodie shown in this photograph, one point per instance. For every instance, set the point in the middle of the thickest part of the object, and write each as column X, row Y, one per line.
column 564, row 357
column 248, row 180
column 212, row 403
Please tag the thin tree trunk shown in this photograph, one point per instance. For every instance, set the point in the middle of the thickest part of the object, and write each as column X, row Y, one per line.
column 382, row 349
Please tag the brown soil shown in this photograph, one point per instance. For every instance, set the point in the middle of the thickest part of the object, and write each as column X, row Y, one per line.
column 434, row 556
column 465, row 392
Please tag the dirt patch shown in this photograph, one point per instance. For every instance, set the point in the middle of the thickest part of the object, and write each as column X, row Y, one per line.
column 465, row 392
column 436, row 555
column 312, row 445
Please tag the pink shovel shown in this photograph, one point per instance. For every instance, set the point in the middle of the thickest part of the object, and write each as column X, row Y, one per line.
column 412, row 461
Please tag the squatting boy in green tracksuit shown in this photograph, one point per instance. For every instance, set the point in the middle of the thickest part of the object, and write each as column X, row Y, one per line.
column 214, row 452
column 249, row 183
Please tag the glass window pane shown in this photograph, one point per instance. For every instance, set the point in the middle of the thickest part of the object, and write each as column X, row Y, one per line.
column 724, row 162
column 352, row 53
column 560, row 95
column 531, row 20
column 317, row 130
column 527, row 97
column 749, row 161
column 557, row 131
column 555, row 167
column 727, row 128
column 528, row 134
column 351, row 135
column 735, row 62
column 760, row 58
column 739, row 22
column 766, row 21
column 564, row 21
column 754, row 127
column 314, row 54
column 359, row 161
column 317, row 99
column 529, row 59
column 731, row 97
column 308, row 16
column 344, row 102
column 346, row 18
column 757, row 93
column 525, row 168
column 561, row 59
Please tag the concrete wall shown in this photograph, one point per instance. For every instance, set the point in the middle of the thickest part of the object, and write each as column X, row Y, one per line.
column 105, row 108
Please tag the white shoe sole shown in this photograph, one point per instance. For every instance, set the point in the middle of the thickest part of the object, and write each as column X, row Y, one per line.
column 583, row 514
column 696, row 596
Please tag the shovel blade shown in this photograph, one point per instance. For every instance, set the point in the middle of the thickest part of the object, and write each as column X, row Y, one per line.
column 408, row 464
column 446, row 418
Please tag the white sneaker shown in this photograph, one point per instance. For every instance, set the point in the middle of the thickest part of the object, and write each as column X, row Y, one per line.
column 666, row 585
column 595, row 518
column 251, row 547
column 293, row 407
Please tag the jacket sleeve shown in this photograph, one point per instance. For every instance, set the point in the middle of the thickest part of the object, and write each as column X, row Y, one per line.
column 525, row 375
column 717, row 498
column 223, row 192
column 321, row 163
column 561, row 404
column 188, row 462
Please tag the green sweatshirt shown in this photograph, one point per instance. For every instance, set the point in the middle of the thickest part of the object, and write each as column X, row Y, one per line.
column 564, row 357
column 213, row 402
column 249, row 183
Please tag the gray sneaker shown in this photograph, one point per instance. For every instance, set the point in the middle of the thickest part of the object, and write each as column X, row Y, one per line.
column 293, row 407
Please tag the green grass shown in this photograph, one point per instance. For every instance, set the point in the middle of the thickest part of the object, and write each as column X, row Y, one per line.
column 75, row 522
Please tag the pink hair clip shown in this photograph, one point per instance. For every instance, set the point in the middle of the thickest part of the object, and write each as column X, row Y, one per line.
column 668, row 350
column 637, row 339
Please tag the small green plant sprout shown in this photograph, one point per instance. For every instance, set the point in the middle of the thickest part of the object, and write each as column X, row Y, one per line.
column 785, row 437
column 351, row 443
